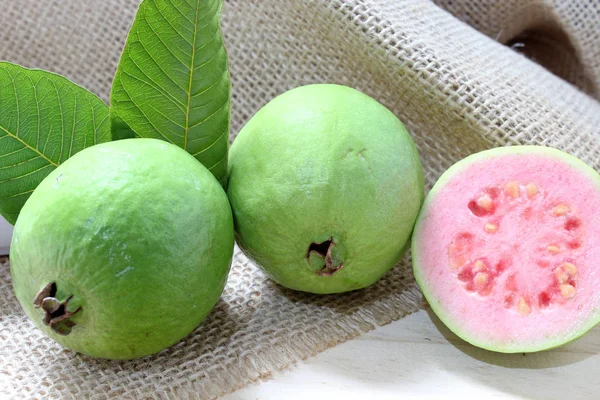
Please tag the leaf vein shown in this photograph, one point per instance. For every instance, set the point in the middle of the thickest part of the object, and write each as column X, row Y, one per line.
column 74, row 126
column 27, row 174
column 172, row 26
column 97, row 127
column 219, row 79
column 39, row 118
column 157, row 64
column 20, row 163
column 146, row 117
column 158, row 88
column 211, row 115
column 12, row 152
column 207, row 61
column 27, row 145
column 163, row 42
column 218, row 162
column 62, row 122
column 181, row 12
column 17, row 194
column 212, row 144
column 192, row 69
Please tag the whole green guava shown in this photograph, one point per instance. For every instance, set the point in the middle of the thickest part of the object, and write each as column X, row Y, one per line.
column 123, row 249
column 325, row 185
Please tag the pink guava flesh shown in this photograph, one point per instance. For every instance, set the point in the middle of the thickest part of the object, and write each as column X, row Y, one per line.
column 507, row 249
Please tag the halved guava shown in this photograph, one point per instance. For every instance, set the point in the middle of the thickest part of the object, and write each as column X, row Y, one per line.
column 506, row 248
column 123, row 249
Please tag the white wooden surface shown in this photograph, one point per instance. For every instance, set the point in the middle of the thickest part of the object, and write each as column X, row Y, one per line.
column 5, row 236
column 417, row 357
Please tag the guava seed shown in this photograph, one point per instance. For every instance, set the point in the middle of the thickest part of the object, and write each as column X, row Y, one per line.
column 569, row 268
column 560, row 210
column 485, row 202
column 554, row 249
column 490, row 227
column 456, row 260
column 481, row 279
column 512, row 189
column 531, row 190
column 479, row 266
column 561, row 276
column 523, row 306
column 567, row 291
column 457, row 250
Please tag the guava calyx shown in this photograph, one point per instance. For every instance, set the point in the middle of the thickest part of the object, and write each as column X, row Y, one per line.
column 322, row 253
column 57, row 317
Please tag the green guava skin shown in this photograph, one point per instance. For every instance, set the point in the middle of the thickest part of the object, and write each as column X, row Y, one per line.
column 324, row 162
column 139, row 233
column 439, row 308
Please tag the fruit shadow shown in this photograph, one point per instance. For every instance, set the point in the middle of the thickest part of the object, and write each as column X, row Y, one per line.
column 215, row 331
column 568, row 355
column 396, row 283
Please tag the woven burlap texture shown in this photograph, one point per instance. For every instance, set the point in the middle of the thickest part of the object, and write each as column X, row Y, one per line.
column 458, row 91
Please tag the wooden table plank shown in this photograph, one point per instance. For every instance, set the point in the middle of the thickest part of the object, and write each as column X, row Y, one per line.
column 417, row 356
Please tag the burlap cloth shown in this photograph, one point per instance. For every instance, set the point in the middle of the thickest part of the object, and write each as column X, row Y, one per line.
column 458, row 91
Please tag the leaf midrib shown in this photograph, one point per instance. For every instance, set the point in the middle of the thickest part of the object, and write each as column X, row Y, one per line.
column 192, row 69
column 28, row 146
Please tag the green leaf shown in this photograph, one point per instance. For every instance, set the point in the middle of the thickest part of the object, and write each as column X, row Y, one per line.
column 172, row 82
column 44, row 120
